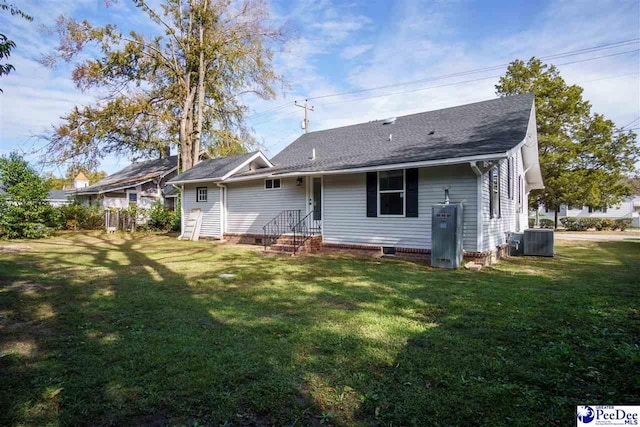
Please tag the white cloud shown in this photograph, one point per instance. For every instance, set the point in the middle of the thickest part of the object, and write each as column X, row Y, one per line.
column 354, row 51
column 336, row 48
column 417, row 41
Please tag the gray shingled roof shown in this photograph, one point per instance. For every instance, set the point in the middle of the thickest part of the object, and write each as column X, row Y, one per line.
column 132, row 175
column 57, row 195
column 169, row 191
column 482, row 128
column 212, row 168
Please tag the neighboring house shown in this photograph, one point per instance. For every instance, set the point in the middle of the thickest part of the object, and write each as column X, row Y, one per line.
column 140, row 183
column 57, row 198
column 629, row 207
column 372, row 185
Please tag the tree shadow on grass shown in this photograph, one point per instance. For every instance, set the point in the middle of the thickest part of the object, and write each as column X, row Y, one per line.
column 520, row 349
column 121, row 333
column 128, row 340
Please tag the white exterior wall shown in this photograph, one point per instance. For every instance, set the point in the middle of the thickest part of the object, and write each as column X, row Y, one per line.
column 210, row 208
column 115, row 202
column 250, row 206
column 345, row 218
column 494, row 230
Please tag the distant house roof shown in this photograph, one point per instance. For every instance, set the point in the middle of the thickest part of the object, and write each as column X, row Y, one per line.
column 477, row 129
column 81, row 177
column 134, row 174
column 218, row 168
column 57, row 195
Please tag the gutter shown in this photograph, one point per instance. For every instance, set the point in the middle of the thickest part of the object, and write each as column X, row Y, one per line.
column 390, row 166
column 476, row 169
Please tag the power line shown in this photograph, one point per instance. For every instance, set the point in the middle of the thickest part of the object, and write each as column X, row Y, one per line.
column 290, row 113
column 631, row 122
column 484, row 69
column 279, row 116
column 464, row 81
column 609, row 78
column 458, row 74
column 271, row 110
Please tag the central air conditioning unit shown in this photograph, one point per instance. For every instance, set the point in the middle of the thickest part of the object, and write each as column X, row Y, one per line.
column 538, row 242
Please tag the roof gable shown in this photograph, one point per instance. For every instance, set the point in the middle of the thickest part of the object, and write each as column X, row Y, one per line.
column 219, row 168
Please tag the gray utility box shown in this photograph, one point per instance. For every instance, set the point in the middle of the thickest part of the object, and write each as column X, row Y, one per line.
column 538, row 242
column 516, row 244
column 446, row 235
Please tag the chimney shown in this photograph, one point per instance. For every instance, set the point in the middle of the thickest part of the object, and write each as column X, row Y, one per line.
column 313, row 154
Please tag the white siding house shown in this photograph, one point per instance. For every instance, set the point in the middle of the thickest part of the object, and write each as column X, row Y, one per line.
column 629, row 207
column 373, row 185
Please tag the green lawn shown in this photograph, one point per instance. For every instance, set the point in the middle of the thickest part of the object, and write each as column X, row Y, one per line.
column 98, row 329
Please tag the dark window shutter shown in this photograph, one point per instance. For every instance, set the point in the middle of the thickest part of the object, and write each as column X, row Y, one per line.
column 491, row 193
column 412, row 192
column 372, row 194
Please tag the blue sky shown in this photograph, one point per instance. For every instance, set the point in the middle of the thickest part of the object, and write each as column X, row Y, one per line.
column 344, row 46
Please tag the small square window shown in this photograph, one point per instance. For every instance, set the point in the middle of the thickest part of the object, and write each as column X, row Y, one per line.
column 201, row 194
column 133, row 199
column 271, row 184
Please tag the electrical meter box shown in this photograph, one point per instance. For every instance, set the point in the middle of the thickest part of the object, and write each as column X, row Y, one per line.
column 446, row 235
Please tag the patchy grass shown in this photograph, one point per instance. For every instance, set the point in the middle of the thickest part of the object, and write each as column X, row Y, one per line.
column 98, row 329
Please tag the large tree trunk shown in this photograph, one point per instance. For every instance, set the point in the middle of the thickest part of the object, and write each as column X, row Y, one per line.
column 186, row 132
column 201, row 75
column 555, row 218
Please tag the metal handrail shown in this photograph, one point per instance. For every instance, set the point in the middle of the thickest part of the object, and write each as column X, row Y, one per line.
column 305, row 228
column 280, row 224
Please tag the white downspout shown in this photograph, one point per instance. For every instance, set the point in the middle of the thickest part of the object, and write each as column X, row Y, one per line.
column 181, row 210
column 223, row 209
column 478, row 172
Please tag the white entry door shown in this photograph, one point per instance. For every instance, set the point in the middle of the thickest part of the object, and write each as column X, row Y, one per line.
column 315, row 203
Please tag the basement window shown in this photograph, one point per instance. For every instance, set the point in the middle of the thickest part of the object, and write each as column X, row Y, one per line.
column 388, row 250
column 272, row 184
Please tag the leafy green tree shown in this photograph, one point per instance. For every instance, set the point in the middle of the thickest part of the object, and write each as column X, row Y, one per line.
column 183, row 85
column 72, row 172
column 583, row 156
column 7, row 45
column 23, row 209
